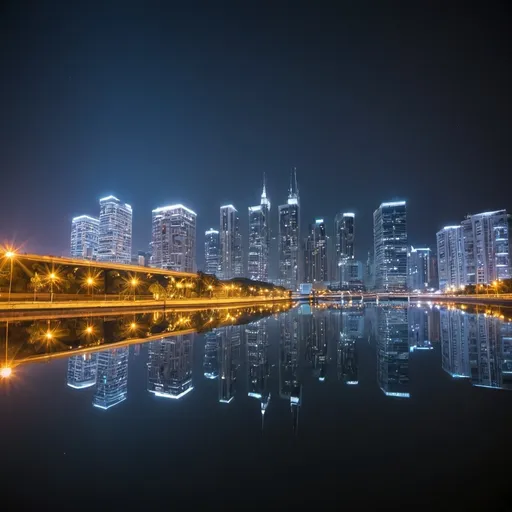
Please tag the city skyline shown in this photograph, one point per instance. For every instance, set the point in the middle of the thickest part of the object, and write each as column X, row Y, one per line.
column 359, row 133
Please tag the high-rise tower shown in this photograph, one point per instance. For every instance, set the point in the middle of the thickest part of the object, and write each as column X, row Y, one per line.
column 259, row 239
column 390, row 245
column 84, row 237
column 289, row 237
column 211, row 251
column 115, row 234
column 174, row 238
column 230, row 243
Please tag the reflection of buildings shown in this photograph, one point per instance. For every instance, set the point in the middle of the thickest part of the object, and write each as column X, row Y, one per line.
column 314, row 332
column 351, row 328
column 258, row 368
column 229, row 361
column 170, row 366
column 82, row 371
column 112, row 378
column 211, row 251
column 290, row 387
column 211, row 354
column 393, row 352
column 420, row 326
column 477, row 347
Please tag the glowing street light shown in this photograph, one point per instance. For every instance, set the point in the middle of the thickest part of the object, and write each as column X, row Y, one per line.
column 10, row 255
column 5, row 372
column 52, row 277
column 134, row 283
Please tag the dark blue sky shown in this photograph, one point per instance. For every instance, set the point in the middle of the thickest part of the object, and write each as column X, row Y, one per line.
column 162, row 102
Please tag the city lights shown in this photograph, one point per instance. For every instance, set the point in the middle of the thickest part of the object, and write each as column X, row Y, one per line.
column 5, row 372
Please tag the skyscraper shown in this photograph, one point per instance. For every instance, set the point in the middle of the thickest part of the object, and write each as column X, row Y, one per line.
column 390, row 246
column 315, row 254
column 231, row 264
column 170, row 366
column 115, row 235
column 211, row 354
column 174, row 238
column 450, row 254
column 487, row 247
column 85, row 237
column 112, row 378
column 418, row 268
column 211, row 251
column 82, row 371
column 289, row 237
column 258, row 367
column 344, row 229
column 259, row 239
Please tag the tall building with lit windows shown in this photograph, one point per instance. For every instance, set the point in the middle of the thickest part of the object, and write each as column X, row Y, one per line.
column 450, row 257
column 259, row 239
column 82, row 371
column 487, row 247
column 211, row 251
column 390, row 246
column 418, row 268
column 170, row 366
column 85, row 232
column 115, row 232
column 112, row 378
column 315, row 254
column 174, row 238
column 289, row 237
column 230, row 261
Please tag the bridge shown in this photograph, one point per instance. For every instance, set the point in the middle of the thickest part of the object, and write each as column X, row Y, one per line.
column 33, row 278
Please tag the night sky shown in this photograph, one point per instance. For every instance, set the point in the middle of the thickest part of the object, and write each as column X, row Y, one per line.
column 159, row 103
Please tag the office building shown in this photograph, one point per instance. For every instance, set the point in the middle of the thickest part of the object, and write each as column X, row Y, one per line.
column 174, row 238
column 450, row 257
column 390, row 246
column 418, row 268
column 112, row 378
column 316, row 268
column 344, row 235
column 259, row 239
column 115, row 232
column 230, row 261
column 170, row 366
column 82, row 371
column 211, row 251
column 85, row 237
column 487, row 247
column 289, row 237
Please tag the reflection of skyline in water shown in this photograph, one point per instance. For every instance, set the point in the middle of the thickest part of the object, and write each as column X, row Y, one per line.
column 112, row 378
column 170, row 366
column 393, row 351
column 477, row 347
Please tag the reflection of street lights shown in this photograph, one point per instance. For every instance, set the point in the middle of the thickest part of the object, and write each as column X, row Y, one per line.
column 6, row 370
column 10, row 255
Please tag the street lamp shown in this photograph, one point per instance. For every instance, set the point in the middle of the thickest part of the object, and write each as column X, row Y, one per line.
column 10, row 255
column 134, row 282
column 90, row 283
column 53, row 277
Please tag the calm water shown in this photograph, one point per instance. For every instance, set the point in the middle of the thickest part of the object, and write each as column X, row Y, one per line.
column 378, row 406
